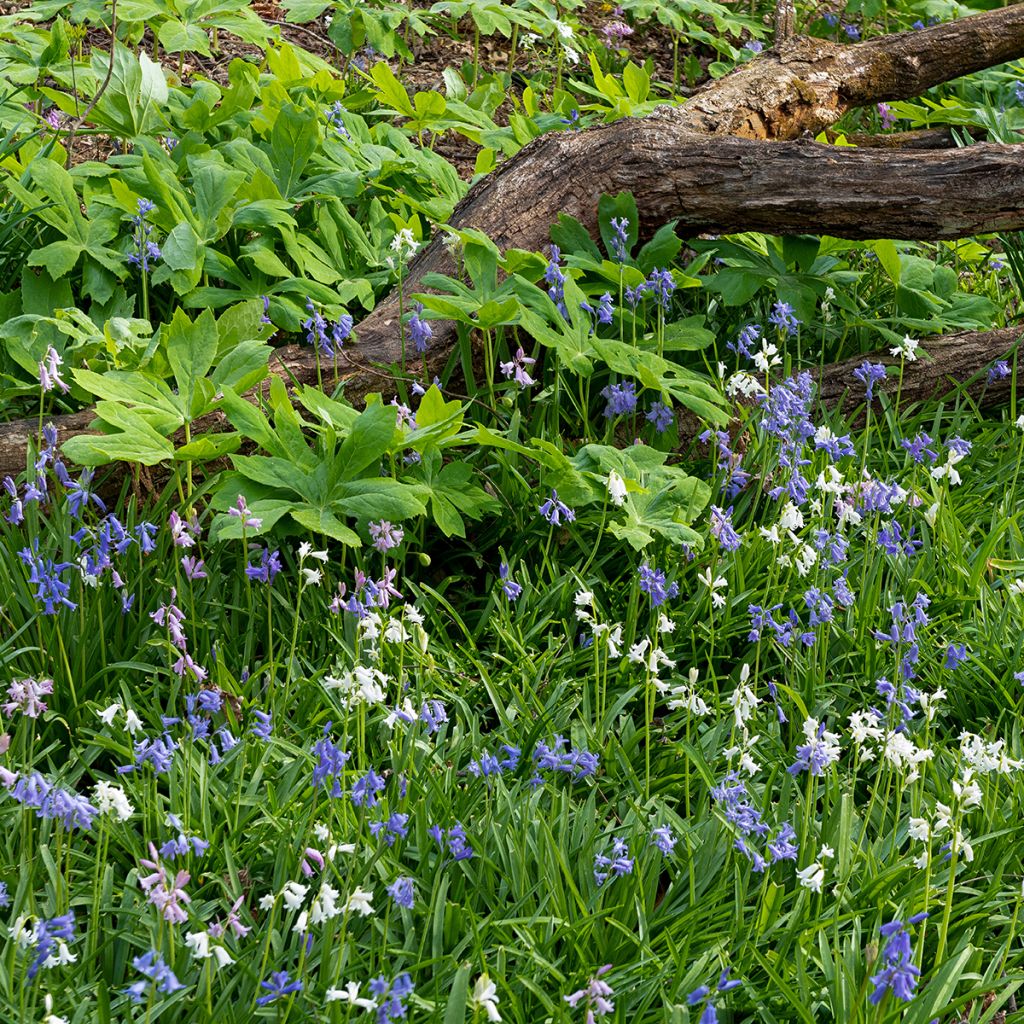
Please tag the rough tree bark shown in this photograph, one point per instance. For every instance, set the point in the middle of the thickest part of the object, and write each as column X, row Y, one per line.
column 734, row 157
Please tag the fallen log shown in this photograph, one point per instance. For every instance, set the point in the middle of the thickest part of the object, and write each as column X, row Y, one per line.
column 719, row 164
column 948, row 362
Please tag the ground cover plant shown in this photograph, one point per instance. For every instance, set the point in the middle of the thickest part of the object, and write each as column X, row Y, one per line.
column 643, row 642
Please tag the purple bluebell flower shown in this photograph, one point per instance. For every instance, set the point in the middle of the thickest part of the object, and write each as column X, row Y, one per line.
column 49, row 371
column 386, row 536
column 722, row 529
column 517, row 367
column 899, row 973
column 918, row 448
column 576, row 761
column 47, row 576
column 869, row 374
column 998, row 371
column 509, row 587
column 621, row 399
column 654, row 584
column 402, row 892
column 145, row 250
column 615, row 863
column 391, row 997
column 782, row 846
column 664, row 839
column 620, row 225
column 491, row 764
column 419, row 329
column 266, row 570
column 554, row 511
column 661, row 284
column 262, row 725
column 744, row 344
column 556, row 281
column 48, row 931
column 661, row 416
column 783, row 317
column 956, row 655
column 278, row 986
column 852, row 32
column 366, row 788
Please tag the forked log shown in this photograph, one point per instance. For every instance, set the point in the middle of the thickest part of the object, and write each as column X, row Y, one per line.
column 721, row 164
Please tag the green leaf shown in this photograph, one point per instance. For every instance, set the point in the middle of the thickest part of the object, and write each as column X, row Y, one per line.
column 888, row 257
column 572, row 237
column 800, row 250
column 57, row 257
column 293, row 141
column 458, row 996
column 390, row 89
column 180, row 249
column 661, row 250
column 687, row 335
column 323, row 521
column 191, row 350
column 370, row 437
column 637, row 82
column 140, row 443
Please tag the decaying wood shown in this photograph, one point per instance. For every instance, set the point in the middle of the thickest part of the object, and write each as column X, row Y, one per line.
column 721, row 163
column 946, row 362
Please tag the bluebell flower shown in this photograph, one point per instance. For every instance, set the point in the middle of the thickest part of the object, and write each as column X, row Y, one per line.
column 151, row 965
column 47, row 576
column 556, row 281
column 433, row 715
column 621, row 399
column 782, row 847
column 145, row 250
column 744, row 344
column 330, row 762
column 956, row 655
column 999, row 369
column 620, row 226
column 490, row 764
column 391, row 997
column 365, row 789
column 577, row 762
column 664, row 839
column 554, row 511
column 722, row 529
column 783, row 317
column 869, row 374
column 614, row 864
column 278, row 986
column 661, row 284
column 661, row 416
column 654, row 584
column 402, row 892
column 48, row 931
column 266, row 570
column 509, row 587
column 899, row 974
column 262, row 725
column 419, row 330
column 918, row 448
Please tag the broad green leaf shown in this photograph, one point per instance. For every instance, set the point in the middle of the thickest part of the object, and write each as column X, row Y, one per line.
column 370, row 437
column 323, row 521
